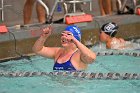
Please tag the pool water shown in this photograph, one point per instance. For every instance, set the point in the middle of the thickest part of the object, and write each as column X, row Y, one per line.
column 54, row 84
column 104, row 64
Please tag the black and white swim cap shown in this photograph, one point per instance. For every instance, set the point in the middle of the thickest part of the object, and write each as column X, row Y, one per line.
column 110, row 28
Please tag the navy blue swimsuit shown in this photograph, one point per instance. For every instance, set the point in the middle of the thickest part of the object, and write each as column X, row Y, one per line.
column 64, row 66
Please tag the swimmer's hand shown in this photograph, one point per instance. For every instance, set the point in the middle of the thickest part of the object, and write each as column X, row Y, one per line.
column 46, row 31
column 68, row 36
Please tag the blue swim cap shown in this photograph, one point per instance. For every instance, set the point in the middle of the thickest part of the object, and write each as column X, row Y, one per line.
column 75, row 31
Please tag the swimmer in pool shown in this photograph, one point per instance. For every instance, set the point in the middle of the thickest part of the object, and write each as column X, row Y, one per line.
column 107, row 35
column 73, row 55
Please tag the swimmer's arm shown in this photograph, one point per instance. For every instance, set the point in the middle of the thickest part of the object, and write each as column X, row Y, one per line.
column 87, row 56
column 40, row 49
column 125, row 46
column 121, row 40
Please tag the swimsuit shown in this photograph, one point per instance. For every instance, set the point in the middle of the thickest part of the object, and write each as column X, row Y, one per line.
column 64, row 66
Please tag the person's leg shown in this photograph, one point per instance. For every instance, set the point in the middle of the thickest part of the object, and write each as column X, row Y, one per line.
column 101, row 7
column 114, row 6
column 118, row 5
column 27, row 11
column 41, row 13
column 107, row 7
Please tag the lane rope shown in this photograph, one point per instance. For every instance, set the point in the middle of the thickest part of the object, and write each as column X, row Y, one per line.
column 86, row 75
column 131, row 53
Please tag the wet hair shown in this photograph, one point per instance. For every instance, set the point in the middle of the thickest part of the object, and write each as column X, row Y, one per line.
column 110, row 28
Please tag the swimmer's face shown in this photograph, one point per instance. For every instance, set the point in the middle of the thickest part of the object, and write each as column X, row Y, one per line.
column 103, row 37
column 64, row 38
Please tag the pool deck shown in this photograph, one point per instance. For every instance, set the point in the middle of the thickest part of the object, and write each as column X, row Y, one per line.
column 25, row 36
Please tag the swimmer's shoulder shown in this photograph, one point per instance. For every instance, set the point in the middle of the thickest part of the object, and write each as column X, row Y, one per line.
column 59, row 50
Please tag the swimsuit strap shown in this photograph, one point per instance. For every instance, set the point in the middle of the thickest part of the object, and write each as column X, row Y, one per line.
column 71, row 55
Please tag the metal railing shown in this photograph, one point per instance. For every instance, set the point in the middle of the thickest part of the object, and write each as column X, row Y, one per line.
column 64, row 2
column 123, row 4
column 2, row 9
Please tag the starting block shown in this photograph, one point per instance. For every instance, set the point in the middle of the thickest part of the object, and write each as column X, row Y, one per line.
column 138, row 11
column 77, row 18
column 3, row 29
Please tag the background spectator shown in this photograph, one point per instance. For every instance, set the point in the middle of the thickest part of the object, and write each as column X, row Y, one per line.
column 27, row 11
column 105, row 7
